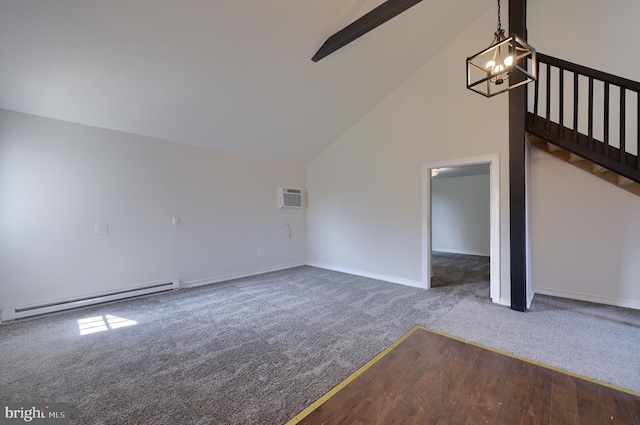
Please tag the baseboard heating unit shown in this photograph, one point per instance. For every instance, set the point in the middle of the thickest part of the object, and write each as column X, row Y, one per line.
column 9, row 314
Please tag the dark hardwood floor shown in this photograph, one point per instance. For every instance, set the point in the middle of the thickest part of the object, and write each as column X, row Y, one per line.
column 429, row 378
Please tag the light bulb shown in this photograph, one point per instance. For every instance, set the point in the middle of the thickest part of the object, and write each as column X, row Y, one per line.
column 498, row 69
column 508, row 61
column 490, row 65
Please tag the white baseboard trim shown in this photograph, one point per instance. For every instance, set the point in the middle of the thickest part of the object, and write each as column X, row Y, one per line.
column 503, row 301
column 385, row 278
column 231, row 276
column 588, row 297
column 530, row 295
column 461, row 251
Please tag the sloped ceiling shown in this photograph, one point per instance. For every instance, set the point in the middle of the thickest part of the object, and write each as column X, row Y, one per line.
column 233, row 75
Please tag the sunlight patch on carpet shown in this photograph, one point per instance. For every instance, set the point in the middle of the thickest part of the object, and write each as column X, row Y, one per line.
column 95, row 324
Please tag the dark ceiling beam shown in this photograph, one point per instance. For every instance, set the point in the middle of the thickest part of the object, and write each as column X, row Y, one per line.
column 378, row 16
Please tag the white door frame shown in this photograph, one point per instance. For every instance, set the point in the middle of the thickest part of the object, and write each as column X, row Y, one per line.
column 494, row 176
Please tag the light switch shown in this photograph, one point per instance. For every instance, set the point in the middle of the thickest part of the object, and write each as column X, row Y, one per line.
column 175, row 221
column 101, row 229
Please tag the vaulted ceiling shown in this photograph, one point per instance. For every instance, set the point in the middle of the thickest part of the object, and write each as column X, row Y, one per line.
column 233, row 75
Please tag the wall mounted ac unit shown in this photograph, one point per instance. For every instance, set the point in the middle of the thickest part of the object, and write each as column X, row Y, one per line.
column 289, row 198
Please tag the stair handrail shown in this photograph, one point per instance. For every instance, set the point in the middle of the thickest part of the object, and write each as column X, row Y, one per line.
column 586, row 71
column 617, row 159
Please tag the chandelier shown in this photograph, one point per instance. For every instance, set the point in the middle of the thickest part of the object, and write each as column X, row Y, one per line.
column 502, row 66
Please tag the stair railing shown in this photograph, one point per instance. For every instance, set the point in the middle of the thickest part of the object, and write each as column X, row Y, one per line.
column 593, row 114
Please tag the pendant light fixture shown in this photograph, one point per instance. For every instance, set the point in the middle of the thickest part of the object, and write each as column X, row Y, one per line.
column 503, row 66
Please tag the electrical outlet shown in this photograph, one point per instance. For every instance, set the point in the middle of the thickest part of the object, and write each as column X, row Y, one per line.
column 260, row 251
column 101, row 229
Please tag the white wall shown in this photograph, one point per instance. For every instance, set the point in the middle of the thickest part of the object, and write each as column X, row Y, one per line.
column 57, row 180
column 460, row 214
column 365, row 190
column 585, row 232
column 585, row 235
column 600, row 34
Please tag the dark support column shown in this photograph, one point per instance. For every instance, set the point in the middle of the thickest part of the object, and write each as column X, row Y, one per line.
column 517, row 201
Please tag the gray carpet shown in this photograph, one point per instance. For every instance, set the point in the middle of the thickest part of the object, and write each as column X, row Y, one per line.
column 260, row 349
column 455, row 269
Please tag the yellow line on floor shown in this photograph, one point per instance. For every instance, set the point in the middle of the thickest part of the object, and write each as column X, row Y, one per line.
column 333, row 391
column 575, row 375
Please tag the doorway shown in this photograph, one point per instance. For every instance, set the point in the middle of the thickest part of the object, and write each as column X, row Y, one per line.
column 452, row 255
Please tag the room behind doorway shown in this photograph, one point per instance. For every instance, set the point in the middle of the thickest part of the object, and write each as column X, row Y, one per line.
column 460, row 202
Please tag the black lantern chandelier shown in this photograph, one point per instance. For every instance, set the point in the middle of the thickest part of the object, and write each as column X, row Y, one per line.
column 502, row 66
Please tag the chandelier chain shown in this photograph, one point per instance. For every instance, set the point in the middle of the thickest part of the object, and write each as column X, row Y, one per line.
column 499, row 21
